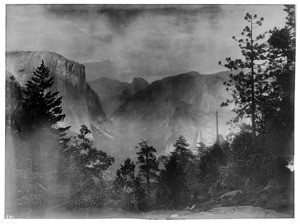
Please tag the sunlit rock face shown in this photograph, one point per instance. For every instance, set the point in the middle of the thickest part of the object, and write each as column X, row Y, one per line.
column 80, row 104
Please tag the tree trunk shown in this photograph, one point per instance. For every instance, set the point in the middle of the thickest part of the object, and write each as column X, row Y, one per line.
column 252, row 86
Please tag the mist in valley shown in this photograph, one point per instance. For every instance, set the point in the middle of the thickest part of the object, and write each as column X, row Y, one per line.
column 150, row 111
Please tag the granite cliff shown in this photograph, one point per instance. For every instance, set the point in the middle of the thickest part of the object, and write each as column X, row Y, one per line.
column 80, row 103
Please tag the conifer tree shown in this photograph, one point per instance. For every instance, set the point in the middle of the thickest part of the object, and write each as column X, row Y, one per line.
column 250, row 83
column 126, row 185
column 182, row 153
column 148, row 168
column 91, row 159
column 139, row 193
column 278, row 111
column 41, row 141
column 125, row 175
column 39, row 114
column 86, row 166
column 173, row 184
column 170, row 184
column 200, row 148
column 41, row 107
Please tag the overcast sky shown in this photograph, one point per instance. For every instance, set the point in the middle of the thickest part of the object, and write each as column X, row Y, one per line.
column 150, row 41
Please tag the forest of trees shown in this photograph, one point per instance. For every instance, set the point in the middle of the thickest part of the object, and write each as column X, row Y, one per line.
column 57, row 170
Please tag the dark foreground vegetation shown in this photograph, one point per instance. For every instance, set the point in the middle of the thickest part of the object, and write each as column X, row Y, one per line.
column 56, row 171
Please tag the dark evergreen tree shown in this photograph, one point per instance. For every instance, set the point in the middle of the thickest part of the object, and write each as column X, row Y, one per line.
column 41, row 107
column 126, row 185
column 271, row 67
column 139, row 194
column 200, row 148
column 148, row 170
column 41, row 141
column 251, row 82
column 171, row 184
column 173, row 190
column 182, row 153
column 125, row 175
column 209, row 169
column 277, row 125
column 93, row 160
column 39, row 114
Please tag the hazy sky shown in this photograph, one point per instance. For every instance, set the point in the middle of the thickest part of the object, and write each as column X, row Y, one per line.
column 150, row 41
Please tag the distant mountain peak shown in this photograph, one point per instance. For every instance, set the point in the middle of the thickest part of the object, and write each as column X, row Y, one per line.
column 137, row 84
column 139, row 81
column 113, row 92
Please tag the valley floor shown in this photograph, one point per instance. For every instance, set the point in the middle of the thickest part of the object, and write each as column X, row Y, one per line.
column 235, row 212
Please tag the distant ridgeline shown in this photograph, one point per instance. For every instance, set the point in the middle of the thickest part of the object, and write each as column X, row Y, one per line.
column 120, row 114
column 185, row 104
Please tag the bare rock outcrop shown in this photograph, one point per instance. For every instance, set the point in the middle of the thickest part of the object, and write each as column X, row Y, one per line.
column 80, row 103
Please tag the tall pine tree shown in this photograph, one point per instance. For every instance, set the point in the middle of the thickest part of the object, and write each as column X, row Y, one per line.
column 148, row 169
column 41, row 141
column 40, row 113
column 85, row 169
column 126, row 185
column 173, row 189
column 125, row 175
column 278, row 121
column 250, row 83
column 41, row 107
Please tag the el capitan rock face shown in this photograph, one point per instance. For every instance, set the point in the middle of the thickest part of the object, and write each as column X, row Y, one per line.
column 80, row 104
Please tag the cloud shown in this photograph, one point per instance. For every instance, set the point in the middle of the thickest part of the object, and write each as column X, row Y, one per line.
column 150, row 41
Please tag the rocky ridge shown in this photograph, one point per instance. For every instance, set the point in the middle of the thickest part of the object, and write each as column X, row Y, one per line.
column 80, row 103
